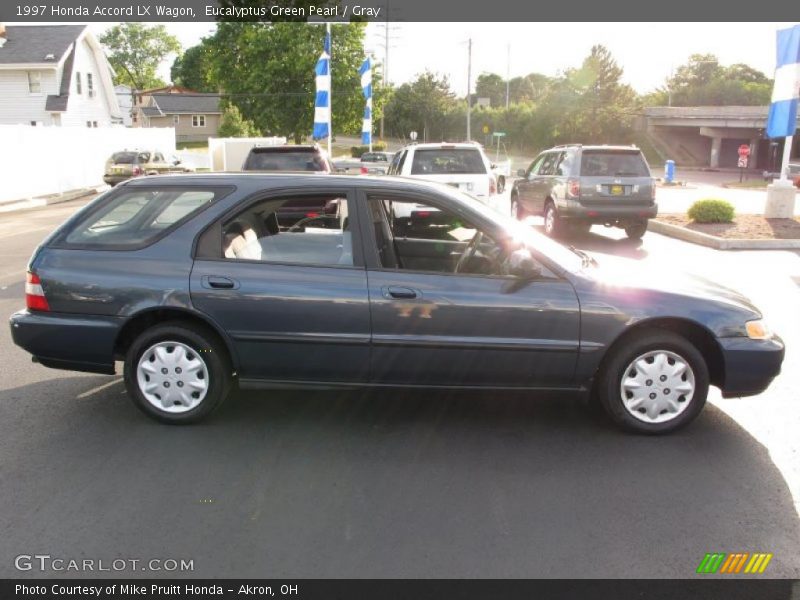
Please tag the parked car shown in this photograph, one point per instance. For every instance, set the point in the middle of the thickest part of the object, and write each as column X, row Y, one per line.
column 134, row 163
column 576, row 186
column 189, row 281
column 375, row 163
column 297, row 158
column 463, row 166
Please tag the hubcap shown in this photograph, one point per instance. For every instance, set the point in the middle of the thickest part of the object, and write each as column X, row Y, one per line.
column 172, row 377
column 515, row 209
column 657, row 386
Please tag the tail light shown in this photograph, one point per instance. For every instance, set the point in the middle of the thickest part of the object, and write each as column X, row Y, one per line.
column 364, row 170
column 574, row 188
column 492, row 186
column 136, row 171
column 34, row 294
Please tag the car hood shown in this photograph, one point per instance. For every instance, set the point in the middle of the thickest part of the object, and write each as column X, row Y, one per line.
column 638, row 277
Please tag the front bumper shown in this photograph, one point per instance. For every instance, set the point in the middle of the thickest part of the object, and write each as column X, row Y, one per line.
column 67, row 341
column 750, row 365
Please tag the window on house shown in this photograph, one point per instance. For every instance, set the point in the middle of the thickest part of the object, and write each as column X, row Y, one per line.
column 35, row 82
column 176, row 119
column 94, row 123
column 198, row 120
column 78, row 84
column 90, row 85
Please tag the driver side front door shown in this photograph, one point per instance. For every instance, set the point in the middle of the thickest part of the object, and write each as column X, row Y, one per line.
column 432, row 326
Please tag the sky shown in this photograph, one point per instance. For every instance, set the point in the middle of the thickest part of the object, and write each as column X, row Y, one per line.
column 647, row 52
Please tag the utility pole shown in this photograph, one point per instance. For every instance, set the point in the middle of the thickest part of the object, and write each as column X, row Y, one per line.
column 385, row 61
column 469, row 91
column 508, row 75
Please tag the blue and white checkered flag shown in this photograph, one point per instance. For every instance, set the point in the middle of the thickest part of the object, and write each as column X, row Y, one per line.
column 322, row 104
column 366, row 87
column 782, row 120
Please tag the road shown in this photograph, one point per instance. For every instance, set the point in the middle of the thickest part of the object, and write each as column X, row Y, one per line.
column 414, row 484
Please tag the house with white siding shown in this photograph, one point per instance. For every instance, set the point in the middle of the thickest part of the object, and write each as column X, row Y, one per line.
column 55, row 75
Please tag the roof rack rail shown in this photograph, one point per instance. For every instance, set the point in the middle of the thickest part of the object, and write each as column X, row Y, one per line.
column 568, row 146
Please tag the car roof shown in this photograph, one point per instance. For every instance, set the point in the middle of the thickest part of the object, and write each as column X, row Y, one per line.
column 439, row 145
column 596, row 147
column 278, row 179
column 287, row 148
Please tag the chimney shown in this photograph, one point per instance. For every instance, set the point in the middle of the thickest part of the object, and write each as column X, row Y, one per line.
column 3, row 38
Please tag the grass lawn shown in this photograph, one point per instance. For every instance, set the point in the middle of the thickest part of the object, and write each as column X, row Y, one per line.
column 192, row 145
column 753, row 184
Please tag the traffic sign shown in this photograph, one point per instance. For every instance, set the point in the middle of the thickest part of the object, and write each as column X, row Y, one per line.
column 744, row 150
column 485, row 129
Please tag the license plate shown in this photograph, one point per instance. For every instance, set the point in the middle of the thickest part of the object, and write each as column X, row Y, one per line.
column 617, row 190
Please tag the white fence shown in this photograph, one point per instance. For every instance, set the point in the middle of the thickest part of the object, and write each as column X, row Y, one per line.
column 37, row 161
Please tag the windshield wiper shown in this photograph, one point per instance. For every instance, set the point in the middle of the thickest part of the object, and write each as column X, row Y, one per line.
column 586, row 260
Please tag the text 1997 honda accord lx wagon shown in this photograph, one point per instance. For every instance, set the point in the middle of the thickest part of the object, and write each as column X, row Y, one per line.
column 196, row 285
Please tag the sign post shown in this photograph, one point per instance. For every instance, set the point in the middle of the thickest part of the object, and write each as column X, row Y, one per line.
column 744, row 154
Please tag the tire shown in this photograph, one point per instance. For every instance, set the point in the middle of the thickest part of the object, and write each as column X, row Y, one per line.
column 655, row 397
column 197, row 378
column 553, row 224
column 517, row 212
column 637, row 230
column 501, row 184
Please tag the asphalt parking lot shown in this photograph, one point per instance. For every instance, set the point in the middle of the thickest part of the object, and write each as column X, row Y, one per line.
column 413, row 484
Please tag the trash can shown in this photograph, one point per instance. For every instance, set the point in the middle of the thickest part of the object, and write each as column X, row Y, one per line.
column 669, row 171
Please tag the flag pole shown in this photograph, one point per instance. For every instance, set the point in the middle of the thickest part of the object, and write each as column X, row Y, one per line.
column 330, row 92
column 787, row 155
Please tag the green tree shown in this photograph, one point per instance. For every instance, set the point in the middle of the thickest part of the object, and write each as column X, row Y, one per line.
column 702, row 81
column 232, row 124
column 135, row 51
column 192, row 69
column 421, row 106
column 267, row 71
column 492, row 86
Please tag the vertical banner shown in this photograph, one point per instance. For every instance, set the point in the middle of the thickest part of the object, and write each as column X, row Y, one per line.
column 366, row 87
column 322, row 103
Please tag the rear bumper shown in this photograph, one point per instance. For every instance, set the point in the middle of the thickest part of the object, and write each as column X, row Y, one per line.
column 115, row 179
column 604, row 212
column 66, row 341
column 750, row 365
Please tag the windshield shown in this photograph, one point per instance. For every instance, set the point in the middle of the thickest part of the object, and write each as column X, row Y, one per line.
column 605, row 163
column 283, row 160
column 123, row 158
column 445, row 161
column 561, row 255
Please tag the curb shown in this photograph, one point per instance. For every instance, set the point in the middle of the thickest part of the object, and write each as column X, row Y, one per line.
column 712, row 241
column 23, row 204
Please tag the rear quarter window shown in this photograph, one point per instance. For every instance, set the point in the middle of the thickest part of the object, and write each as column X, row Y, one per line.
column 606, row 163
column 136, row 217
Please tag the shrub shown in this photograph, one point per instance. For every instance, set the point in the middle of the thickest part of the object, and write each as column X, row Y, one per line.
column 232, row 124
column 711, row 211
column 357, row 151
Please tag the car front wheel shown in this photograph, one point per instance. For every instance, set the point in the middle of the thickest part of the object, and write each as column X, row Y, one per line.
column 656, row 382
column 517, row 211
column 177, row 373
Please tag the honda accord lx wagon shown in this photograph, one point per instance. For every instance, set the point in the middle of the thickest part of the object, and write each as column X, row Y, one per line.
column 196, row 284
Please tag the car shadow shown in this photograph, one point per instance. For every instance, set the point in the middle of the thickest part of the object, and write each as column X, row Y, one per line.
column 384, row 484
column 603, row 244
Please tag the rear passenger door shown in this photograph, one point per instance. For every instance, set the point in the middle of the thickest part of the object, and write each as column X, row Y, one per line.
column 291, row 295
column 541, row 181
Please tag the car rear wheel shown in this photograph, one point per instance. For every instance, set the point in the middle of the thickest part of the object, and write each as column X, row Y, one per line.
column 501, row 184
column 517, row 211
column 553, row 224
column 656, row 382
column 177, row 373
column 636, row 231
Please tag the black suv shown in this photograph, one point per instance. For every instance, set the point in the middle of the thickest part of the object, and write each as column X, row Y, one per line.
column 295, row 158
column 576, row 186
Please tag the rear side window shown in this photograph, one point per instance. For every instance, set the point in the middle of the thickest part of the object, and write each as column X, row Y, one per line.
column 444, row 161
column 138, row 216
column 604, row 163
column 283, row 160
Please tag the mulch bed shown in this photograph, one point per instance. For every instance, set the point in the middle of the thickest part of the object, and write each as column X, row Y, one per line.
column 744, row 227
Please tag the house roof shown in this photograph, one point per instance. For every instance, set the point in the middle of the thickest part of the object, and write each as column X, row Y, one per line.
column 32, row 43
column 170, row 104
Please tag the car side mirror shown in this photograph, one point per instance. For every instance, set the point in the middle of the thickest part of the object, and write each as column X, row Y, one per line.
column 522, row 266
column 177, row 161
column 520, row 172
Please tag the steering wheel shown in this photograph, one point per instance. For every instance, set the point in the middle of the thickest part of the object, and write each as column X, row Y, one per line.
column 469, row 251
column 305, row 221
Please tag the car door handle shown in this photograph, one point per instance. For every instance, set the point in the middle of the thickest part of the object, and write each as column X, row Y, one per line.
column 401, row 293
column 219, row 283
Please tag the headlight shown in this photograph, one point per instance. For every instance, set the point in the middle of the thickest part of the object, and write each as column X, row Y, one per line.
column 758, row 330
